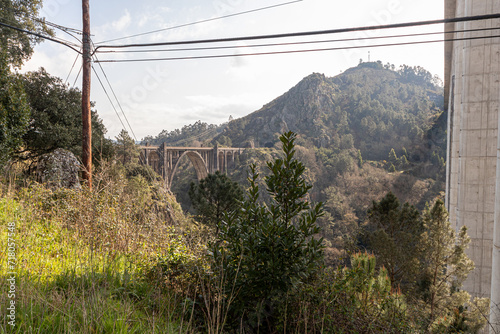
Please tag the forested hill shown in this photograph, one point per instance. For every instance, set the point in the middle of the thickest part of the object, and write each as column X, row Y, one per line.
column 367, row 131
column 370, row 107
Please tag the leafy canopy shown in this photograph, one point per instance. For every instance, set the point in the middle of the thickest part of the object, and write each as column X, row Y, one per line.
column 56, row 118
column 14, row 112
column 17, row 45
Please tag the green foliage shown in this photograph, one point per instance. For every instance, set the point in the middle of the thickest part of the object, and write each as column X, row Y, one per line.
column 189, row 135
column 82, row 262
column 360, row 159
column 264, row 251
column 213, row 196
column 395, row 239
column 357, row 299
column 336, row 162
column 147, row 172
column 14, row 112
column 438, row 161
column 18, row 46
column 367, row 107
column 56, row 119
column 445, row 267
column 126, row 148
column 392, row 156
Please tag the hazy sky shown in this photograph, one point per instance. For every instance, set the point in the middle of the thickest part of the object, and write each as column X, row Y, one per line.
column 169, row 94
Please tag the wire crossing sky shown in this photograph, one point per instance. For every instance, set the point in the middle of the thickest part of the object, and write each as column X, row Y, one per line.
column 219, row 81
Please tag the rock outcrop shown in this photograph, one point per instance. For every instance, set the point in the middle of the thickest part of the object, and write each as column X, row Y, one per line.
column 59, row 169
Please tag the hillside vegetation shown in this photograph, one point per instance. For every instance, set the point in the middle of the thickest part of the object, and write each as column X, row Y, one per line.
column 369, row 130
column 263, row 254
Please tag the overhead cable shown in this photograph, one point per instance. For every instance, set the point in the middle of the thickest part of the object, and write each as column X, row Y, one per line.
column 14, row 23
column 296, row 43
column 65, row 43
column 42, row 20
column 109, row 98
column 201, row 21
column 308, row 33
column 116, row 98
column 71, row 69
column 293, row 51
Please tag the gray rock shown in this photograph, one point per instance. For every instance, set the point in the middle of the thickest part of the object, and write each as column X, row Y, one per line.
column 59, row 169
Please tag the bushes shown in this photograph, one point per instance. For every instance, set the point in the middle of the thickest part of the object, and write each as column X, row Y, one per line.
column 346, row 300
column 265, row 252
column 84, row 256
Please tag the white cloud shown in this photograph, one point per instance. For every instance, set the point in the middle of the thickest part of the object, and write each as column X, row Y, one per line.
column 213, row 101
column 123, row 22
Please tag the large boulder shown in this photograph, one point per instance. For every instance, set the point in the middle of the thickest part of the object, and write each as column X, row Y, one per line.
column 59, row 169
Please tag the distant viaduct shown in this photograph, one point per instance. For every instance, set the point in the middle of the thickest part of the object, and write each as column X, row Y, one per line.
column 165, row 159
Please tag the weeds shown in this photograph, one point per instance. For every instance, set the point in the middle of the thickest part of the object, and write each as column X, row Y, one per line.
column 82, row 257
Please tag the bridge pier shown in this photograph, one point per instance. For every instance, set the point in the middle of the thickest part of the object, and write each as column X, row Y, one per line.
column 165, row 160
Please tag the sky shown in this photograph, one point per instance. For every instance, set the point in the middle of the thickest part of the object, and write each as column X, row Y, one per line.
column 169, row 94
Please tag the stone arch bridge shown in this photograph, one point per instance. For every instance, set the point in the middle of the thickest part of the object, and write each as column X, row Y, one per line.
column 165, row 159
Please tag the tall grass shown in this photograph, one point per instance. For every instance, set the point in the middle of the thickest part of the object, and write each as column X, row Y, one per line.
column 82, row 258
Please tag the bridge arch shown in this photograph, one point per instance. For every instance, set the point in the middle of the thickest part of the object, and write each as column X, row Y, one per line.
column 198, row 163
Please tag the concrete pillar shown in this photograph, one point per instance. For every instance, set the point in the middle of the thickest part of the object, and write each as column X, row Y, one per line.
column 216, row 158
column 225, row 161
column 495, row 272
column 473, row 176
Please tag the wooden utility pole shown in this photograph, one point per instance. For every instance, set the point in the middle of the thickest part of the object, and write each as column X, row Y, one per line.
column 86, row 115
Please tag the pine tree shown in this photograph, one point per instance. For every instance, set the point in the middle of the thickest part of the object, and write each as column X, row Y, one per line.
column 392, row 156
column 360, row 159
column 445, row 267
column 213, row 196
column 395, row 239
column 126, row 148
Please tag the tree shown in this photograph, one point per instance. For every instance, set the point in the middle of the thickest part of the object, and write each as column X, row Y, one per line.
column 126, row 148
column 392, row 156
column 213, row 196
column 17, row 45
column 265, row 251
column 444, row 268
column 360, row 159
column 14, row 112
column 56, row 119
column 395, row 239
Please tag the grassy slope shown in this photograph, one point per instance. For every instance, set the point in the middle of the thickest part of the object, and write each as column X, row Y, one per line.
column 69, row 281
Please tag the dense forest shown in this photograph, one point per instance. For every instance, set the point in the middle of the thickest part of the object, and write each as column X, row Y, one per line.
column 332, row 222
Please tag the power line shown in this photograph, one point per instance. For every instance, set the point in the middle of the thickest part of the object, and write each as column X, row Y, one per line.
column 308, row 33
column 65, row 43
column 71, row 70
column 298, row 43
column 13, row 23
column 109, row 98
column 42, row 20
column 116, row 98
column 78, row 75
column 202, row 21
column 294, row 51
column 67, row 32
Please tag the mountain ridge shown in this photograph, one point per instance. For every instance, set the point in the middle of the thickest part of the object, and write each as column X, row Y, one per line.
column 370, row 102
